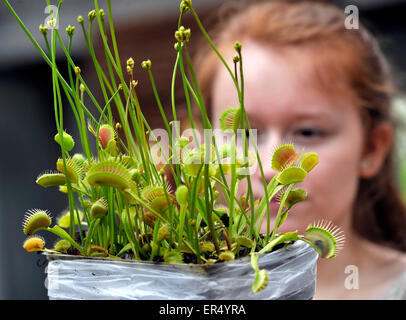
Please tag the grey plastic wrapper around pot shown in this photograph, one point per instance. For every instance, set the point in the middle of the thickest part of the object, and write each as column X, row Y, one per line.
column 292, row 275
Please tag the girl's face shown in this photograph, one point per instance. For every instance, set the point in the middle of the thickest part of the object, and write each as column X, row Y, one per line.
column 286, row 105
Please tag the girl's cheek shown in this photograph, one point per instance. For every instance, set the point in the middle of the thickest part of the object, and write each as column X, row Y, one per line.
column 334, row 180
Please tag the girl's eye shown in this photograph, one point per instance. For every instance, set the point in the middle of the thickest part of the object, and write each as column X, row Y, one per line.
column 308, row 134
column 249, row 134
column 259, row 134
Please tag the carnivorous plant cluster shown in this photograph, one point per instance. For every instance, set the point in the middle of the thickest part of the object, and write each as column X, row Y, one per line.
column 121, row 201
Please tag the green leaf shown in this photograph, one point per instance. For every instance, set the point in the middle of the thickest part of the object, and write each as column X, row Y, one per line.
column 173, row 257
column 283, row 218
column 291, row 175
column 230, row 119
column 288, row 236
column 282, row 156
column 308, row 161
column 261, row 276
column 64, row 235
column 127, row 247
column 260, row 281
column 254, row 261
column 92, row 228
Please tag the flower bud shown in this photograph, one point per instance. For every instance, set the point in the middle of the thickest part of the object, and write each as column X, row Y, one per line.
column 185, row 6
column 101, row 13
column 91, row 15
column 131, row 63
column 52, row 23
column 43, row 30
column 177, row 46
column 237, row 46
column 70, row 31
column 182, row 34
column 146, row 65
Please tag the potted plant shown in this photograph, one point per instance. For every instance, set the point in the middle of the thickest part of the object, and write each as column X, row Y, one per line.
column 128, row 233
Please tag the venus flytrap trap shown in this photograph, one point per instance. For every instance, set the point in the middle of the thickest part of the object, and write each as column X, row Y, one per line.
column 121, row 203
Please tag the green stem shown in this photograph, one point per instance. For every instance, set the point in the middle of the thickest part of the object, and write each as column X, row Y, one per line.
column 243, row 113
column 100, row 74
column 113, row 36
column 209, row 209
column 92, row 228
column 212, row 45
column 185, row 88
column 285, row 195
column 69, row 51
column 181, row 225
column 82, row 128
column 65, row 85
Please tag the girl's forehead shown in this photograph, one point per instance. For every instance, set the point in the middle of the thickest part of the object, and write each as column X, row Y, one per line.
column 286, row 81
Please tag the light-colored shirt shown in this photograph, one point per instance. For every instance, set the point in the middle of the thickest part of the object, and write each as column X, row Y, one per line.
column 398, row 291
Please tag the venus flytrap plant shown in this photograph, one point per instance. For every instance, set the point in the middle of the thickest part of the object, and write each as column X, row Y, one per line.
column 34, row 243
column 121, row 202
column 63, row 219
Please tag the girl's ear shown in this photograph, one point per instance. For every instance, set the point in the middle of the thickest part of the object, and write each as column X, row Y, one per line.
column 376, row 150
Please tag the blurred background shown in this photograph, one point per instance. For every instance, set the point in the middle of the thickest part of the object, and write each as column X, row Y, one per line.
column 145, row 30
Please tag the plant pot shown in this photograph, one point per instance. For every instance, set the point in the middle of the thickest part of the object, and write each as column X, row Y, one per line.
column 291, row 270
